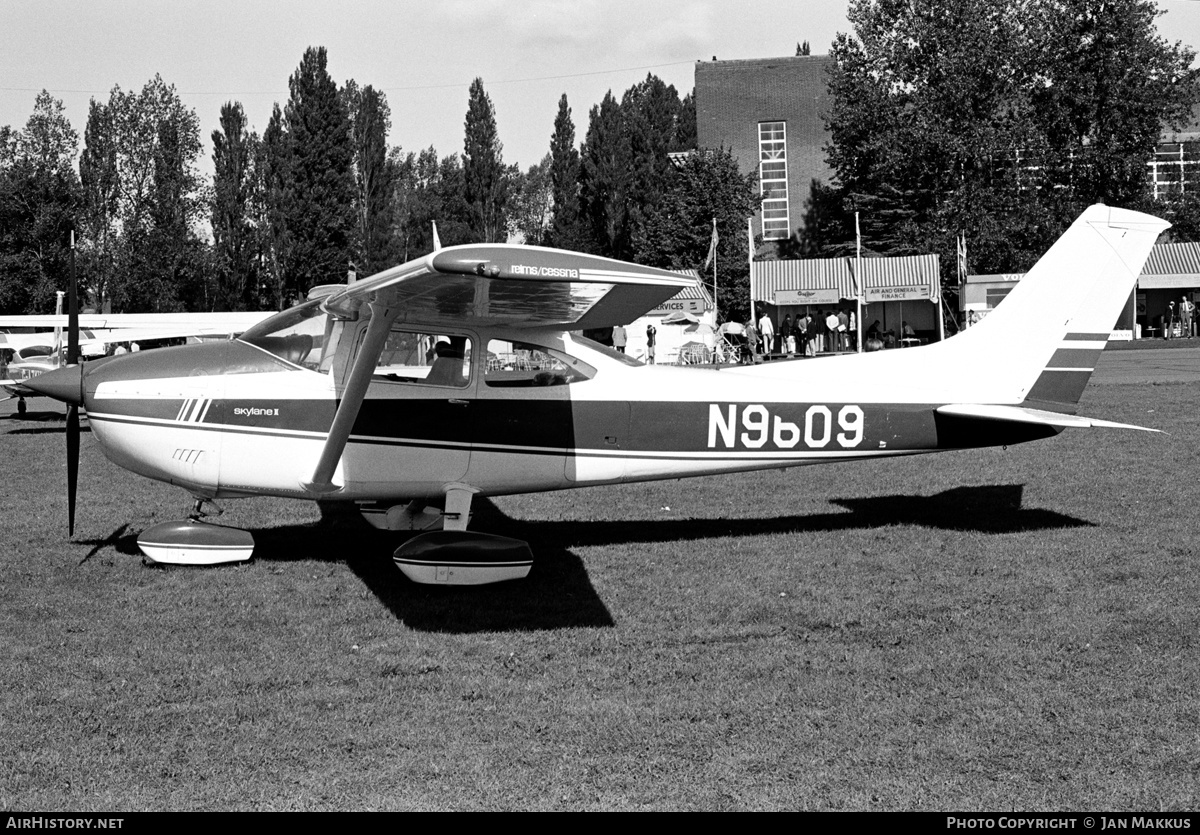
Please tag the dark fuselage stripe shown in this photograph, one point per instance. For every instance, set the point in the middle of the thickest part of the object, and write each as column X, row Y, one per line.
column 798, row 456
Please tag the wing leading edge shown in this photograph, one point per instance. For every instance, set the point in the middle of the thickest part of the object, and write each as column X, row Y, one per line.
column 516, row 286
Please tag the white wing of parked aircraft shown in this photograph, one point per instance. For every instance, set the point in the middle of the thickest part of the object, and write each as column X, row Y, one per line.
column 29, row 354
column 462, row 374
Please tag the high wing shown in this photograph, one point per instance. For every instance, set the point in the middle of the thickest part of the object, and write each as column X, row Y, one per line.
column 486, row 284
column 517, row 286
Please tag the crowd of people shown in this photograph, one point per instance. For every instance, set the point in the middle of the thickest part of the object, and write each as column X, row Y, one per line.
column 831, row 332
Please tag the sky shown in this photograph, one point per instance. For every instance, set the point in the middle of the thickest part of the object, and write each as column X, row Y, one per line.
column 422, row 55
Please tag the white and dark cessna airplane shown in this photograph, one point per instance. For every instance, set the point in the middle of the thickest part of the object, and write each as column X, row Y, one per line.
column 462, row 374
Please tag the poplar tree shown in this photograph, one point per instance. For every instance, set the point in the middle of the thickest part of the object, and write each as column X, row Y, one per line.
column 485, row 178
column 274, row 165
column 234, row 151
column 605, row 179
column 319, row 211
column 566, row 231
column 98, row 216
column 374, row 176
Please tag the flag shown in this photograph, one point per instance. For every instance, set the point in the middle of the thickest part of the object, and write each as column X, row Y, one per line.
column 962, row 258
column 712, row 246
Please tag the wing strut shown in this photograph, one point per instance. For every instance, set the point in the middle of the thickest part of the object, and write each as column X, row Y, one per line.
column 352, row 398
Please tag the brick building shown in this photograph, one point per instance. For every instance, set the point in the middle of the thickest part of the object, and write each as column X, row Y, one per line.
column 767, row 111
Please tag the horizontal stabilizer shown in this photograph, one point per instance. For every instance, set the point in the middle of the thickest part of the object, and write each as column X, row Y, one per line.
column 1021, row 414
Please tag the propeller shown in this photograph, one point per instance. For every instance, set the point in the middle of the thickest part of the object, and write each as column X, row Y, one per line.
column 72, row 407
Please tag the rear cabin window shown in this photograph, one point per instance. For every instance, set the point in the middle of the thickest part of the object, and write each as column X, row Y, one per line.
column 521, row 365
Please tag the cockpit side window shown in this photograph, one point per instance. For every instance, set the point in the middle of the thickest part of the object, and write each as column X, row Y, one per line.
column 523, row 365
column 432, row 359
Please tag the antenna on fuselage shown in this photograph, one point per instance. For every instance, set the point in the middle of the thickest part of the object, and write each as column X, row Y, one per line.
column 437, row 242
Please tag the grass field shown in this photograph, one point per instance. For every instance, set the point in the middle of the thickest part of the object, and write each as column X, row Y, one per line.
column 1005, row 629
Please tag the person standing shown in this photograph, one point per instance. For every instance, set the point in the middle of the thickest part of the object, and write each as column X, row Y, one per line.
column 1186, row 313
column 619, row 338
column 1169, row 320
column 831, row 325
column 650, row 332
column 766, row 334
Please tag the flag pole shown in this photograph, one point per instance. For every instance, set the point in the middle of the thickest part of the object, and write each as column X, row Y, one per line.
column 858, row 286
column 711, row 258
column 750, row 258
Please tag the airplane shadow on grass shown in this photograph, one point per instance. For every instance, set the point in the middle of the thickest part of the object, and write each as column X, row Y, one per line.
column 558, row 592
column 60, row 429
column 993, row 509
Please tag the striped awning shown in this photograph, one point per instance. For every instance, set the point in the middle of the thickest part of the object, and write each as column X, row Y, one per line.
column 1171, row 266
column 829, row 280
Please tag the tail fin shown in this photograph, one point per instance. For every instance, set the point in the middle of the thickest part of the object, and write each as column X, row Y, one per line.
column 1045, row 337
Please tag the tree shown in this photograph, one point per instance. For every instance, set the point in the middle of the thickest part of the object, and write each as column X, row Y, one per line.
column 485, row 177
column 144, row 200
column 374, row 176
column 651, row 112
column 234, row 250
column 604, row 179
column 39, row 195
column 706, row 186
column 566, row 229
column 429, row 190
column 99, row 177
column 319, row 205
column 530, row 209
column 685, row 128
column 625, row 161
column 274, row 181
column 998, row 119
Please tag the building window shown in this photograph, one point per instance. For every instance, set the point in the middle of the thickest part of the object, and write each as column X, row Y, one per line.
column 1175, row 169
column 995, row 295
column 773, row 181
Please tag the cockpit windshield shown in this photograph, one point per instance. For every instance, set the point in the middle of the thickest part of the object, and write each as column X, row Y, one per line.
column 303, row 335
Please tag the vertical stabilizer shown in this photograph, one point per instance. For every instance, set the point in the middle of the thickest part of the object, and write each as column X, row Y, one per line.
column 1045, row 337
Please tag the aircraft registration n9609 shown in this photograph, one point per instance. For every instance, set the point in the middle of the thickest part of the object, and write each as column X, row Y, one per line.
column 463, row 373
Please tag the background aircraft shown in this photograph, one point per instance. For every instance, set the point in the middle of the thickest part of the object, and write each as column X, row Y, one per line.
column 462, row 374
column 35, row 343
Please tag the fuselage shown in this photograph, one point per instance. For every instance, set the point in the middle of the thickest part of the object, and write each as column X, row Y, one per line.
column 518, row 411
